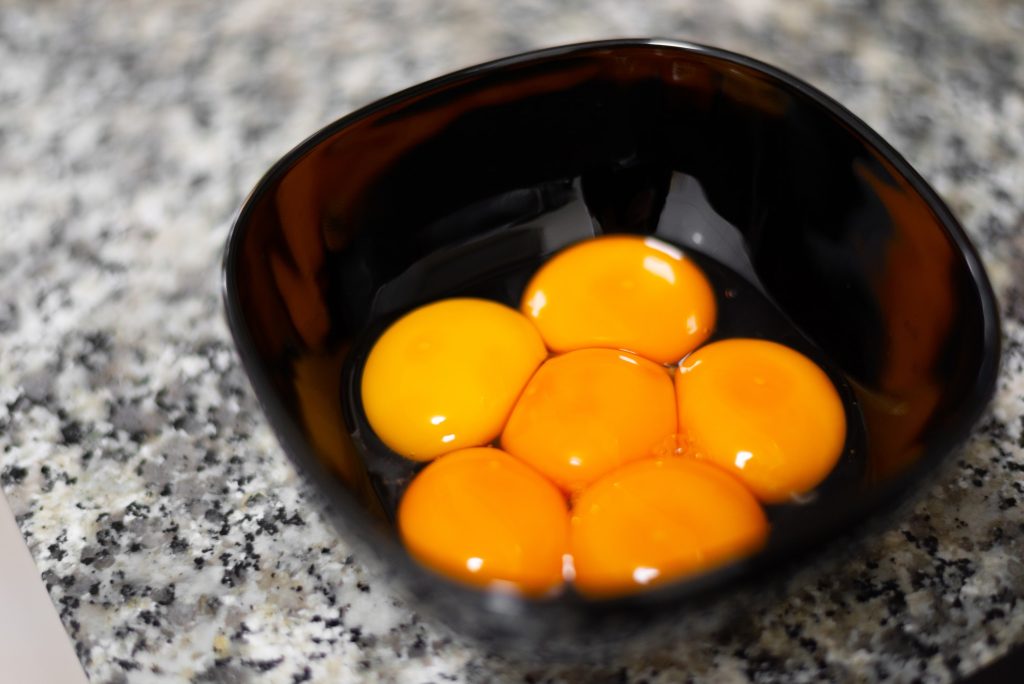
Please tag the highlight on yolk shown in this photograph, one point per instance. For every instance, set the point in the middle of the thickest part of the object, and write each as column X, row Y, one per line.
column 764, row 412
column 586, row 412
column 446, row 376
column 625, row 292
column 485, row 518
column 656, row 520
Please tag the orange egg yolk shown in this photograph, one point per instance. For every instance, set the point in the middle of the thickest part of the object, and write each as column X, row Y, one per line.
column 764, row 412
column 485, row 518
column 446, row 376
column 624, row 292
column 586, row 412
column 657, row 520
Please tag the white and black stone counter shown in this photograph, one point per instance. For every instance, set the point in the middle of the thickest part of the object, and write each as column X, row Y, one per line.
column 174, row 536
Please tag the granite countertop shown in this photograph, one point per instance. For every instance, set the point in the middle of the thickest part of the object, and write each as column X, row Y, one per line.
column 173, row 535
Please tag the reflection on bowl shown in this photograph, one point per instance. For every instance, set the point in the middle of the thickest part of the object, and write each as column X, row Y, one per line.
column 465, row 184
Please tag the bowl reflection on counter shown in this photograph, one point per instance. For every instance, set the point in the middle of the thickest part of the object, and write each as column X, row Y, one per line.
column 464, row 184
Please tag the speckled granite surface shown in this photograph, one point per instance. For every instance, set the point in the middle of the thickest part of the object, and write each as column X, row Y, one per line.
column 174, row 536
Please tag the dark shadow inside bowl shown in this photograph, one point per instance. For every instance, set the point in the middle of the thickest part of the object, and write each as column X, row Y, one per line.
column 465, row 184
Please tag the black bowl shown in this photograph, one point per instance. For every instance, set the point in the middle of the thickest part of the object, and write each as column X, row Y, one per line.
column 463, row 184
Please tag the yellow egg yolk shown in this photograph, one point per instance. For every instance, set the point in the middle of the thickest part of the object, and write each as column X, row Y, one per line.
column 623, row 292
column 446, row 376
column 656, row 520
column 764, row 412
column 485, row 518
column 586, row 412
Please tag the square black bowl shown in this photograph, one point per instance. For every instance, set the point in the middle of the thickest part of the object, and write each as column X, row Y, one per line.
column 463, row 184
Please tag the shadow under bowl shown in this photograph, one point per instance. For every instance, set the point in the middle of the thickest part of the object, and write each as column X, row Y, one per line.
column 464, row 184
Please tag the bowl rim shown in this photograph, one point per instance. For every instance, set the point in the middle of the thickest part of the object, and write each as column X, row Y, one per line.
column 890, row 495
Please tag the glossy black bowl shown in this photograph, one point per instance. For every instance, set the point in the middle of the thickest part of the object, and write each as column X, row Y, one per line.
column 462, row 185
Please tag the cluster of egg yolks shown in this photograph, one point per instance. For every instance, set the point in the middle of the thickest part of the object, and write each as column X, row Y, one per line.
column 484, row 517
column 655, row 520
column 588, row 411
column 757, row 421
column 762, row 411
column 446, row 376
column 622, row 292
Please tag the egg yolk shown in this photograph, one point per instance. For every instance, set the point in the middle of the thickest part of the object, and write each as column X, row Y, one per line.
column 625, row 292
column 485, row 518
column 764, row 412
column 586, row 412
column 656, row 520
column 446, row 376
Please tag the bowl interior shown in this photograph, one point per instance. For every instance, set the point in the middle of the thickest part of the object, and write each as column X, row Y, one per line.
column 465, row 184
